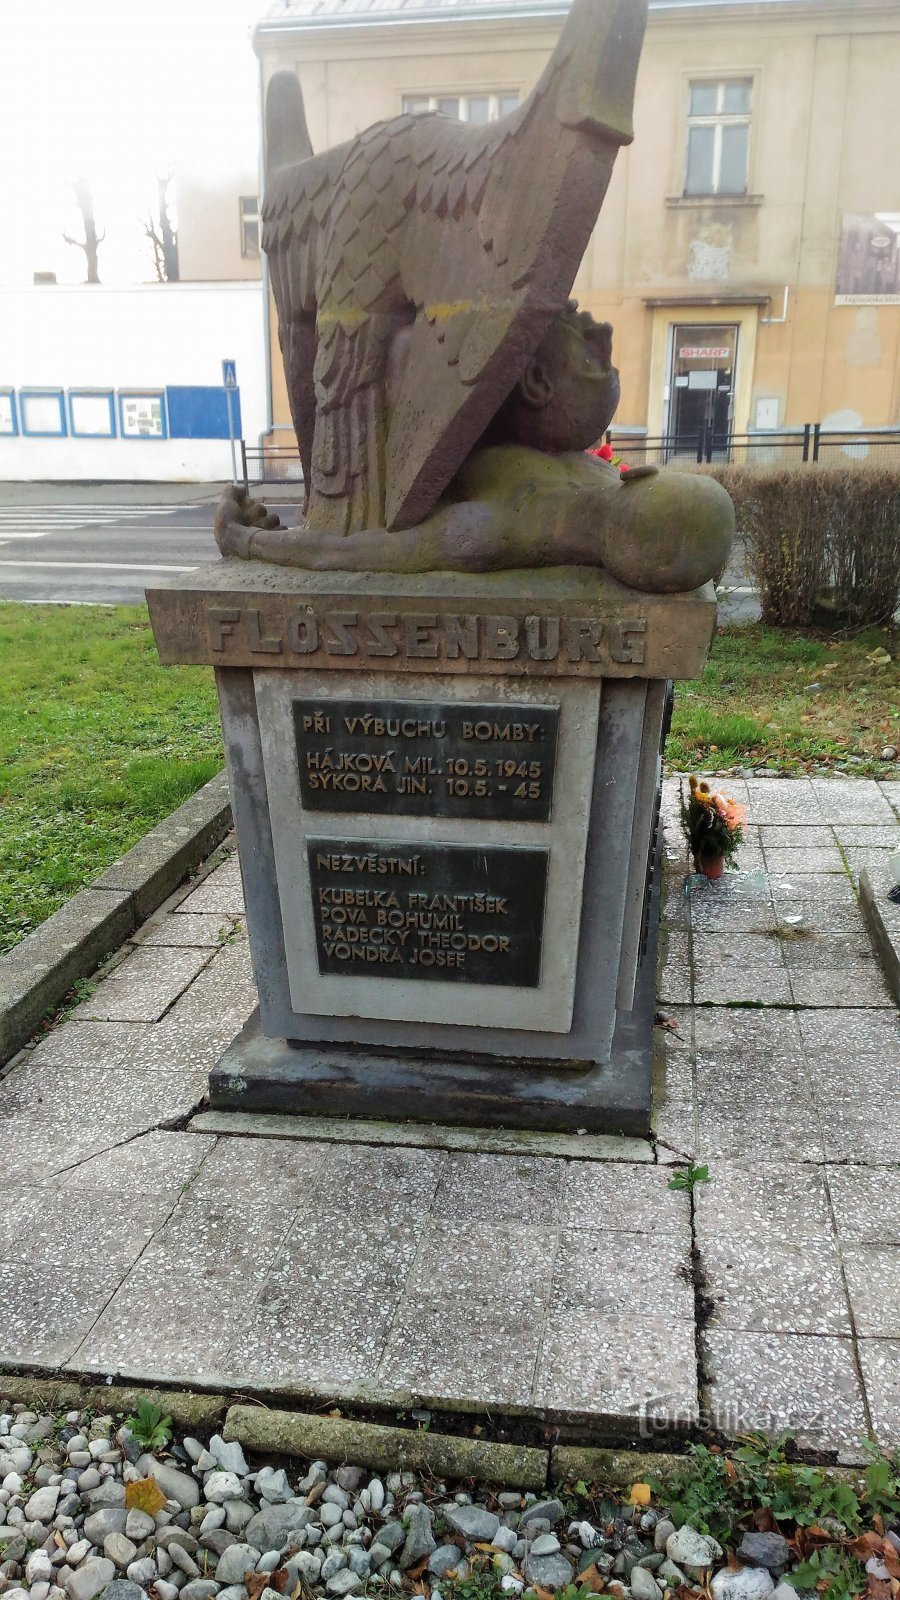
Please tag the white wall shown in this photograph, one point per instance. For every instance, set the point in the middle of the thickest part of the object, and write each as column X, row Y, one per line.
column 132, row 336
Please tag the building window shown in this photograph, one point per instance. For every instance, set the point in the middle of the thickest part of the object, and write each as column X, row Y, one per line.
column 249, row 204
column 477, row 108
column 718, row 136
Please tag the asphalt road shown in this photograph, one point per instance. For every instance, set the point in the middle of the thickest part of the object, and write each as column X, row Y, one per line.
column 99, row 547
column 101, row 544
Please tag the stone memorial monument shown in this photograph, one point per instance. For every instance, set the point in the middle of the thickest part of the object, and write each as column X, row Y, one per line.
column 444, row 694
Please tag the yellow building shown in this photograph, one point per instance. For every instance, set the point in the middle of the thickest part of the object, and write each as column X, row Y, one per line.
column 748, row 252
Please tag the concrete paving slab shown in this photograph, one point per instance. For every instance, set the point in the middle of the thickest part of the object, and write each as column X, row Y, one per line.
column 47, row 1228
column 861, row 800
column 771, row 1203
column 758, row 1286
column 866, row 1202
column 674, row 985
column 154, row 1163
column 208, row 930
column 880, row 1363
column 256, row 1169
column 482, row 1268
column 484, row 1188
column 857, row 985
column 613, row 1199
column 768, row 1382
column 872, row 1277
column 46, row 1311
column 183, row 1334
column 792, row 859
column 608, row 1273
column 143, row 986
column 221, row 892
column 625, row 1368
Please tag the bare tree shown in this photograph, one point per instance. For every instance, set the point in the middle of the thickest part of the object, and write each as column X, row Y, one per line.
column 92, row 241
column 163, row 237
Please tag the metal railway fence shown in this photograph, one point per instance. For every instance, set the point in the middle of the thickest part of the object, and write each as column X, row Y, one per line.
column 279, row 465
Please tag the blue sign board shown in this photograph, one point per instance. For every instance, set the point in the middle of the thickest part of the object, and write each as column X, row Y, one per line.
column 229, row 374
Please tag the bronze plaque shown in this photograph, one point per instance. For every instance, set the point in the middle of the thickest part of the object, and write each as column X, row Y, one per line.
column 451, row 913
column 427, row 758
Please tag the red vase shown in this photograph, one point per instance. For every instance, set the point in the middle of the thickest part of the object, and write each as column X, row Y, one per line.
column 711, row 866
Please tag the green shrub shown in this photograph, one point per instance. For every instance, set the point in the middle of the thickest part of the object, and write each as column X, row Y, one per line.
column 821, row 540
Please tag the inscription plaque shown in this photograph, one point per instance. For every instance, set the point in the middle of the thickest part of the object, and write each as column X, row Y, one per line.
column 427, row 758
column 451, row 913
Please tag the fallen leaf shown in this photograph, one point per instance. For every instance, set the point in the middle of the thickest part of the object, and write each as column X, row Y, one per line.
column 640, row 1494
column 316, row 1493
column 144, row 1495
column 590, row 1578
column 419, row 1568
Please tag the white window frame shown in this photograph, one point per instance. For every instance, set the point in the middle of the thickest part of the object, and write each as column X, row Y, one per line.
column 493, row 97
column 244, row 218
column 717, row 120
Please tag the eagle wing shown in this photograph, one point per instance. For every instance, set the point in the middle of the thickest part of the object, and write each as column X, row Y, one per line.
column 502, row 217
column 331, row 228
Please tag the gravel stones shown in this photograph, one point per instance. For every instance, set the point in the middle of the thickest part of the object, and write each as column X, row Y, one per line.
column 769, row 1550
column 662, row 1533
column 444, row 1559
column 271, row 1526
column 420, row 1540
column 230, row 1457
column 694, row 1551
column 747, row 1583
column 344, row 1582
column 273, row 1485
column 547, row 1510
column 546, row 1544
column 175, row 1485
column 139, row 1525
column 392, row 1536
column 88, row 1579
column 473, row 1522
column 121, row 1589
column 221, row 1486
column 42, row 1505
column 235, row 1561
column 643, row 1585
column 109, row 1519
column 119, row 1549
column 550, row 1571
column 505, row 1539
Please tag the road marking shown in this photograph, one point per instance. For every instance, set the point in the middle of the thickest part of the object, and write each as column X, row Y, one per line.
column 88, row 567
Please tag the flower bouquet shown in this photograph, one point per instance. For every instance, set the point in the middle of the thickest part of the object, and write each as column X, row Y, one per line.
column 605, row 452
column 713, row 827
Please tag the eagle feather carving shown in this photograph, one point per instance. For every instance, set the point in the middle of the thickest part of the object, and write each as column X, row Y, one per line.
column 464, row 240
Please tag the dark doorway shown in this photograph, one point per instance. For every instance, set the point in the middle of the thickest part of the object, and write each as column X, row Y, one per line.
column 701, row 387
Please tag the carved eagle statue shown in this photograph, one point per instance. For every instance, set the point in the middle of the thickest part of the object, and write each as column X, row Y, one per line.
column 463, row 240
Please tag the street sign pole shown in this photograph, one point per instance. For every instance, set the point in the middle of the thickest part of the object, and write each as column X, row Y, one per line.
column 229, row 384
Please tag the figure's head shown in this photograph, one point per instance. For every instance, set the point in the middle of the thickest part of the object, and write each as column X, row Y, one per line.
column 568, row 393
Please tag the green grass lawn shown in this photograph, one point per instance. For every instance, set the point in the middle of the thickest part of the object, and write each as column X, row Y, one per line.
column 98, row 742
column 792, row 701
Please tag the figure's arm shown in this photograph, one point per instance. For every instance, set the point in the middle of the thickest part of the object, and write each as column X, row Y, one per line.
column 461, row 536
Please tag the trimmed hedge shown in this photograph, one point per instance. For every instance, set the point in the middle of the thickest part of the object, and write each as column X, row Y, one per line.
column 820, row 539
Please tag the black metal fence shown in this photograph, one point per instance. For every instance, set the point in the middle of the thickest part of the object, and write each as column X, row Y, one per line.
column 791, row 447
column 272, row 464
column 279, row 465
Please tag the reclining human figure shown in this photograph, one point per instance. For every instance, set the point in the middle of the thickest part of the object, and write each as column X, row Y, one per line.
column 528, row 495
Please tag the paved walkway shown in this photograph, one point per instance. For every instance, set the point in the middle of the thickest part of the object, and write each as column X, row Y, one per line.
column 142, row 1237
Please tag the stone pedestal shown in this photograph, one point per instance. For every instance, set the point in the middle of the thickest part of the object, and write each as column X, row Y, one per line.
column 445, row 790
